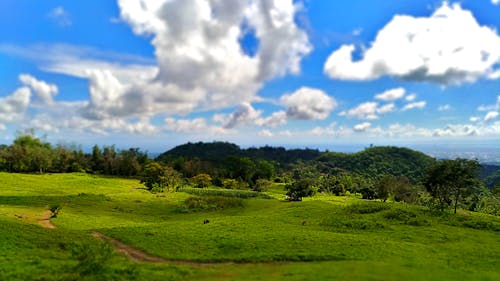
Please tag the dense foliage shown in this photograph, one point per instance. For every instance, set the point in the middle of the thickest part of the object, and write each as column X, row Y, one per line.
column 30, row 154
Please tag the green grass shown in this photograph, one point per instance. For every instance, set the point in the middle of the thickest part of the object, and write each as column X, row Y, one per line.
column 322, row 238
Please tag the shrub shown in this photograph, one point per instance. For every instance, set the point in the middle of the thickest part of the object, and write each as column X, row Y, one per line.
column 210, row 203
column 224, row 192
column 349, row 224
column 201, row 180
column 367, row 207
column 54, row 210
column 94, row 263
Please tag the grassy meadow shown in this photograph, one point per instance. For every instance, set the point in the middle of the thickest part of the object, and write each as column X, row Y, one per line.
column 246, row 238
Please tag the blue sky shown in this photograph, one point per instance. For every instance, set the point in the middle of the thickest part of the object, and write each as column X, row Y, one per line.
column 157, row 73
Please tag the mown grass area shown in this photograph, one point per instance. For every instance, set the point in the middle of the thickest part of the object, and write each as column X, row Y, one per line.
column 321, row 238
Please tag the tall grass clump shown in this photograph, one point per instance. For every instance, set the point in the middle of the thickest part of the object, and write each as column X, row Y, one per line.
column 210, row 203
column 243, row 194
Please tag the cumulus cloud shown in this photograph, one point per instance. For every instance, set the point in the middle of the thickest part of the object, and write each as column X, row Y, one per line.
column 362, row 127
column 456, row 131
column 201, row 64
column 491, row 115
column 411, row 97
column 413, row 105
column 474, row 119
column 449, row 47
column 322, row 131
column 197, row 125
column 276, row 119
column 391, row 95
column 368, row 110
column 244, row 115
column 44, row 92
column 308, row 104
column 13, row 107
column 266, row 133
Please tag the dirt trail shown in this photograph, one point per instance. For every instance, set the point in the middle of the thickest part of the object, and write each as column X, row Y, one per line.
column 141, row 256
column 45, row 220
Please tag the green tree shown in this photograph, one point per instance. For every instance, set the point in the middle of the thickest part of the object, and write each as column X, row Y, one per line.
column 452, row 181
column 201, row 180
column 157, row 177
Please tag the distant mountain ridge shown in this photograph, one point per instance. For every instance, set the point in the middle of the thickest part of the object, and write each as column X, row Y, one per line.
column 373, row 162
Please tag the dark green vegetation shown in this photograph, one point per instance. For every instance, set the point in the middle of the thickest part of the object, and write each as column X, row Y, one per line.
column 324, row 237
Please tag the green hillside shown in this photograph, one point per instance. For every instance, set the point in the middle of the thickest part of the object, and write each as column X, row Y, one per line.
column 208, row 237
column 376, row 162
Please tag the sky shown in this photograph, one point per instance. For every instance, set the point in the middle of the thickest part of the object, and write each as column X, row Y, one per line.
column 158, row 73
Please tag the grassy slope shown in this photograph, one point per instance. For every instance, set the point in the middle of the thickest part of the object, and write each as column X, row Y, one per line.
column 318, row 239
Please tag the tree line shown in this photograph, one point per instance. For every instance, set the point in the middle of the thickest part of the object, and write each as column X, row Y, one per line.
column 30, row 154
column 384, row 173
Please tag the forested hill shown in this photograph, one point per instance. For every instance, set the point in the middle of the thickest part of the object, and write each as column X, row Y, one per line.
column 371, row 163
column 376, row 162
column 218, row 152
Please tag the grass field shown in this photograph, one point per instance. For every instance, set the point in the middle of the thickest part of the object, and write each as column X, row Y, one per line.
column 321, row 238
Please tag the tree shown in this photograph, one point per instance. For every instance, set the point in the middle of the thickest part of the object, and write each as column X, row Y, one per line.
column 451, row 181
column 201, row 180
column 301, row 188
column 157, row 177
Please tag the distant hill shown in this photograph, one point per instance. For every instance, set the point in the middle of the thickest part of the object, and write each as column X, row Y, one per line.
column 218, row 152
column 376, row 162
column 372, row 163
column 212, row 152
column 490, row 174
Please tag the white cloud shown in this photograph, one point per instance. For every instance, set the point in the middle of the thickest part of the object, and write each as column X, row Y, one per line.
column 411, row 97
column 322, row 131
column 265, row 133
column 276, row 119
column 194, row 126
column 60, row 16
column 368, row 110
column 456, row 131
column 202, row 38
column 307, row 103
column 475, row 119
column 491, row 115
column 13, row 107
column 413, row 105
column 285, row 133
column 391, row 95
column 445, row 107
column 386, row 108
column 495, row 2
column 449, row 47
column 362, row 127
column 244, row 115
column 44, row 92
column 2, row 127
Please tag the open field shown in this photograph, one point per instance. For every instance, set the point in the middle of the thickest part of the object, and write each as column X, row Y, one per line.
column 321, row 238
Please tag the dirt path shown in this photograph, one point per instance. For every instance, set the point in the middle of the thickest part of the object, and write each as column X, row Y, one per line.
column 45, row 220
column 141, row 256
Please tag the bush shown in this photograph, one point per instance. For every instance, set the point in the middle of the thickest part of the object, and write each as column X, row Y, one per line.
column 367, row 208
column 224, row 192
column 406, row 216
column 349, row 224
column 94, row 263
column 54, row 210
column 210, row 203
